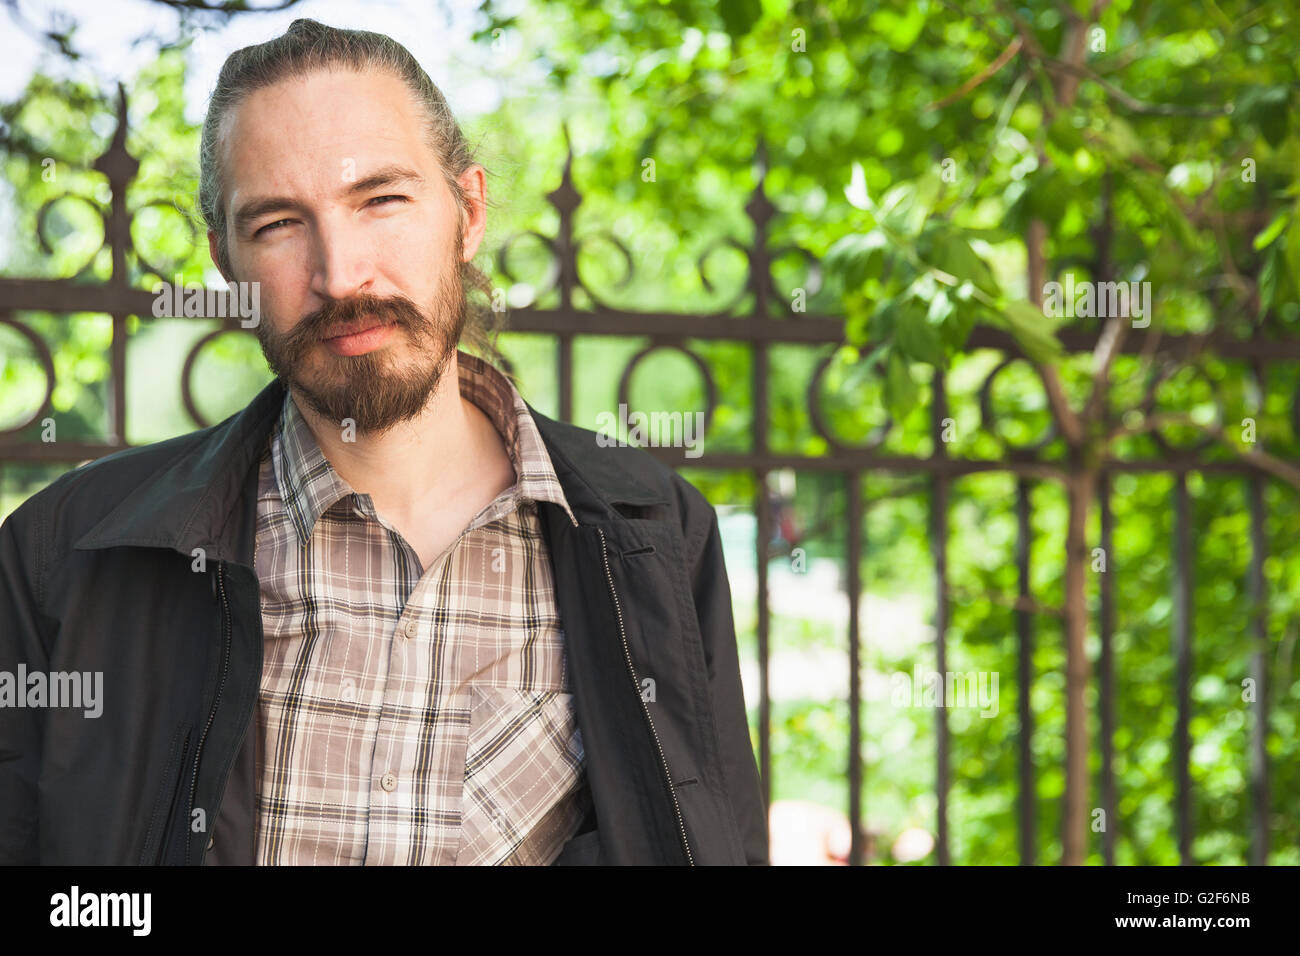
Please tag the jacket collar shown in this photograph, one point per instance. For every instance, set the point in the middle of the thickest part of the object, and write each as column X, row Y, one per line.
column 193, row 499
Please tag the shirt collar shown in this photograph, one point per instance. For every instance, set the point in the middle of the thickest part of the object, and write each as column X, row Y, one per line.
column 309, row 486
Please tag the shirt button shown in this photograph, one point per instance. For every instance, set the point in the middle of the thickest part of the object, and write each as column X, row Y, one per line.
column 389, row 782
column 409, row 628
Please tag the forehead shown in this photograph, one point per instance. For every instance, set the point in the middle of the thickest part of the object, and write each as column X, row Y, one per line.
column 311, row 131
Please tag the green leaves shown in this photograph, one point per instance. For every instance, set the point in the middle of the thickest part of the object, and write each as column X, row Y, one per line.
column 1122, row 139
column 906, row 205
column 916, row 336
column 1271, row 231
column 898, row 30
column 954, row 255
column 1293, row 248
column 857, row 256
column 1045, row 196
column 1267, row 284
column 905, row 334
column 901, row 391
column 1064, row 135
column 1162, row 208
column 739, row 16
column 1033, row 331
column 1268, row 108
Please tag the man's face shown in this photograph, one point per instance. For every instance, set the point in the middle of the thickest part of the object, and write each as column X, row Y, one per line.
column 337, row 206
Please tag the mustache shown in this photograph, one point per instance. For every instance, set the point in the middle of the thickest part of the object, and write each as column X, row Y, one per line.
column 388, row 310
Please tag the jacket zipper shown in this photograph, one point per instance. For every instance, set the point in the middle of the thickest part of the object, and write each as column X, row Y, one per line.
column 178, row 775
column 221, row 685
column 636, row 684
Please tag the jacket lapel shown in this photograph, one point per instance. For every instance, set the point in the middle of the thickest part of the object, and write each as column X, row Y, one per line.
column 194, row 500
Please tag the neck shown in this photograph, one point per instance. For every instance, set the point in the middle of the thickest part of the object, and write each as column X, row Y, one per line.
column 433, row 456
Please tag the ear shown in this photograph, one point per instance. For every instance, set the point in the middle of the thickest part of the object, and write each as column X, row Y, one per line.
column 473, row 185
column 216, row 260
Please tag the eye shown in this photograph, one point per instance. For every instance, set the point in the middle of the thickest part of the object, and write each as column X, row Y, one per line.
column 383, row 200
column 271, row 226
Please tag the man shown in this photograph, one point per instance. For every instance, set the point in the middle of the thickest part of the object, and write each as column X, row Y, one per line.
column 388, row 613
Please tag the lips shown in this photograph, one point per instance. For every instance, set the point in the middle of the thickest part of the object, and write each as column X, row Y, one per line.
column 353, row 328
column 370, row 335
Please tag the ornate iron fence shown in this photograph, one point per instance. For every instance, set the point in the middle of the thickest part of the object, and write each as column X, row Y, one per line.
column 760, row 330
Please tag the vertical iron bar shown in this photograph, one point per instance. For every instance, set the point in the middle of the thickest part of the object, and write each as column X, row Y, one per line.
column 564, row 356
column 117, row 382
column 1182, row 624
column 854, row 586
column 1259, row 771
column 1261, row 797
column 758, row 400
column 120, row 167
column 1025, row 639
column 939, row 552
column 763, row 535
column 566, row 198
column 760, row 210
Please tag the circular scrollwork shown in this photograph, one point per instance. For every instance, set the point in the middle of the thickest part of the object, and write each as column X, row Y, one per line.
column 191, row 357
column 987, row 416
column 146, row 264
column 552, row 277
column 874, row 440
column 813, row 283
column 710, row 386
column 1151, row 407
column 617, row 244
column 42, row 216
column 47, row 365
column 700, row 266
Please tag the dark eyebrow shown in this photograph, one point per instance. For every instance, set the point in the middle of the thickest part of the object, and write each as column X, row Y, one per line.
column 386, row 176
column 251, row 211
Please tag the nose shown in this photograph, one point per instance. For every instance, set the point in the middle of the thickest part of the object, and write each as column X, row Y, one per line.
column 343, row 262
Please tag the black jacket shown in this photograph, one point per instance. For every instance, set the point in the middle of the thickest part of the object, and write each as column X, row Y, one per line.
column 99, row 573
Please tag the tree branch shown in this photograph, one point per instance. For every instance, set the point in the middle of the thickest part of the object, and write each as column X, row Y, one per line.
column 1011, row 50
column 1109, row 344
column 1129, row 102
column 1066, row 419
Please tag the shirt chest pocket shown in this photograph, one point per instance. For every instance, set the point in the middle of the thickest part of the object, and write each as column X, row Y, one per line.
column 524, row 765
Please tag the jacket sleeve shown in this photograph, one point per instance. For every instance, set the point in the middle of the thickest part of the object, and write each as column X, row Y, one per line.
column 20, row 727
column 712, row 593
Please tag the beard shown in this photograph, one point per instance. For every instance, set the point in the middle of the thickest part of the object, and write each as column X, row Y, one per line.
column 376, row 389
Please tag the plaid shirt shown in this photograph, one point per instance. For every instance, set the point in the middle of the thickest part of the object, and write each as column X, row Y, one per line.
column 412, row 715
